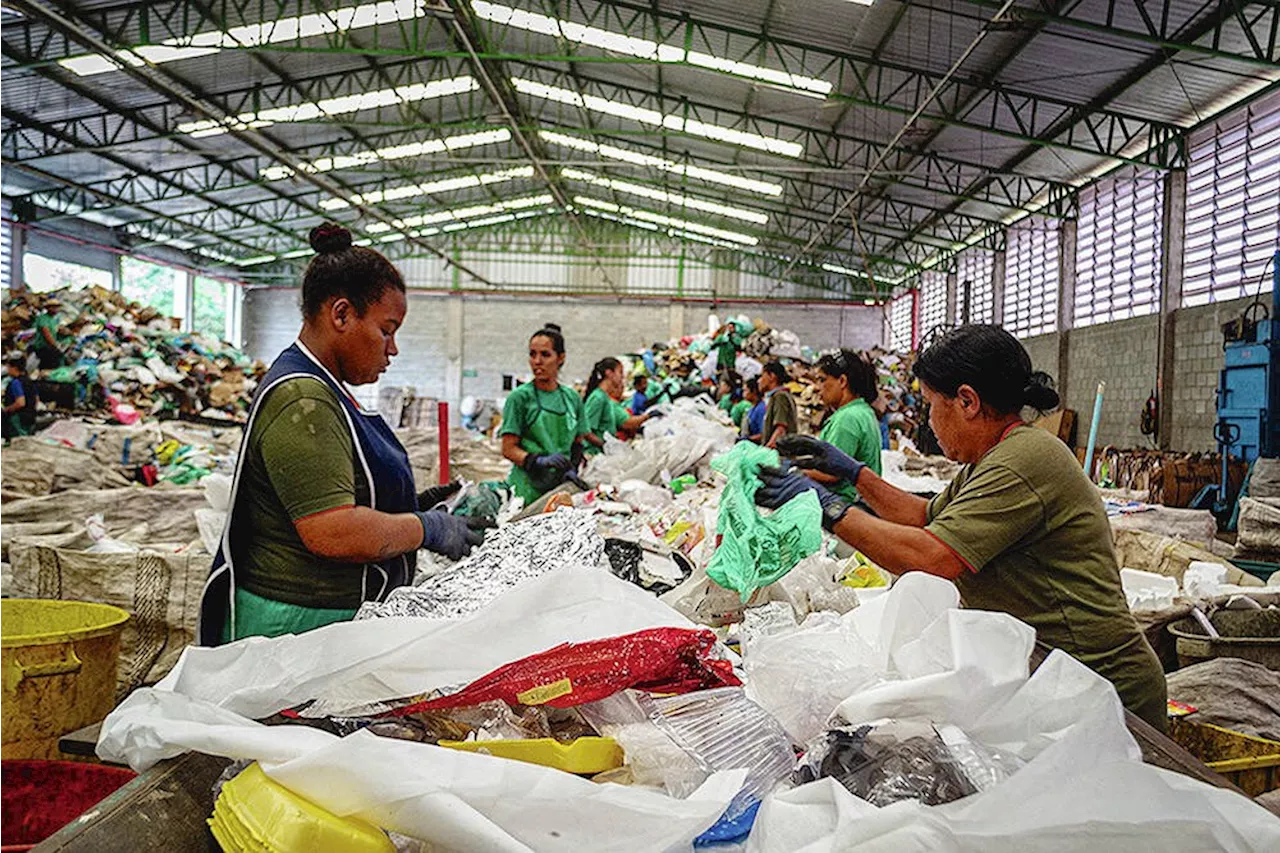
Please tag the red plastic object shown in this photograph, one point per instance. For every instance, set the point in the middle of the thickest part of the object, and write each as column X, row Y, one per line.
column 662, row 660
column 41, row 797
column 442, row 421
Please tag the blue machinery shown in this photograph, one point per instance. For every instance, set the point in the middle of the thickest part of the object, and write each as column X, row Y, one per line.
column 1248, row 393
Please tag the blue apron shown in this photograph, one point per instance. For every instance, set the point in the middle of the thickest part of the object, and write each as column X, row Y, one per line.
column 386, row 469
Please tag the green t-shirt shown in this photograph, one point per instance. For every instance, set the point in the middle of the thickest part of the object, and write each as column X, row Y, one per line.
column 738, row 412
column 50, row 322
column 604, row 417
column 299, row 461
column 854, row 429
column 1033, row 530
column 547, row 422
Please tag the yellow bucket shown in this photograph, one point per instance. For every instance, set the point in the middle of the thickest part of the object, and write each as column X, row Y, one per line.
column 59, row 668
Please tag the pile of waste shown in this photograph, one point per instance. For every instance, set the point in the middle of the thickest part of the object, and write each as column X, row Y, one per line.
column 125, row 361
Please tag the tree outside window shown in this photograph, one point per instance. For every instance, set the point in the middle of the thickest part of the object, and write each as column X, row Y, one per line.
column 43, row 274
column 209, row 307
column 163, row 288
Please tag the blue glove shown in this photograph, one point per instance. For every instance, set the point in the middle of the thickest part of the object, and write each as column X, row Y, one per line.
column 781, row 486
column 549, row 463
column 450, row 535
column 816, row 455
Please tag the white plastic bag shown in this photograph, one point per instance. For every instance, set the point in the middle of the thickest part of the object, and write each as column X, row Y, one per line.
column 1148, row 590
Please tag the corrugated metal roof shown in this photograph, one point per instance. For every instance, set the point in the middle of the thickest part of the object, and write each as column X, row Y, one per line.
column 883, row 59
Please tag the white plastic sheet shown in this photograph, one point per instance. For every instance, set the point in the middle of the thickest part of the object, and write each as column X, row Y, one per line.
column 1084, row 784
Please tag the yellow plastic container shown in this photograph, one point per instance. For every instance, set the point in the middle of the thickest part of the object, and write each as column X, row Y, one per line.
column 59, row 668
column 1251, row 763
column 585, row 755
column 256, row 813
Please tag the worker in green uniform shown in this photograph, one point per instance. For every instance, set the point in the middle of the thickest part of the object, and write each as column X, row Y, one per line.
column 47, row 344
column 730, row 397
column 542, row 421
column 847, row 385
column 1020, row 529
column 605, row 414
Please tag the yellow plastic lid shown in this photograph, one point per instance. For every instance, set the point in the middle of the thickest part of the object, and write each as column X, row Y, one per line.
column 586, row 755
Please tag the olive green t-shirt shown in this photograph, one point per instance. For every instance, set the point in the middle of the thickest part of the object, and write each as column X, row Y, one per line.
column 1034, row 533
column 299, row 461
column 854, row 429
column 780, row 410
column 604, row 417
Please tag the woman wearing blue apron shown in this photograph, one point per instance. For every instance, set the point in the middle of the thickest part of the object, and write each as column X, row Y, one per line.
column 324, row 514
column 542, row 422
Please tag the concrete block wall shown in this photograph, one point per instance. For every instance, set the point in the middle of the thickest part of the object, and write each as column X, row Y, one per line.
column 1196, row 365
column 1043, row 350
column 1123, row 354
column 452, row 346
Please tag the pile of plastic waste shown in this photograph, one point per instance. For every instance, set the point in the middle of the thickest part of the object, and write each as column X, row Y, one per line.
column 125, row 361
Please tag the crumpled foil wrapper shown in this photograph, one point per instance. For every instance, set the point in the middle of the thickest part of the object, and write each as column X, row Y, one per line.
column 509, row 556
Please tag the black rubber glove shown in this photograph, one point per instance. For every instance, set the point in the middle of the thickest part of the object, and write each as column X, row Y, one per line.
column 428, row 498
column 655, row 414
column 817, row 455
column 450, row 535
column 781, row 486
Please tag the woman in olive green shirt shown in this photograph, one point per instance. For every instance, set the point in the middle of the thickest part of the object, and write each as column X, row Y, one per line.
column 1020, row 529
column 605, row 415
column 847, row 386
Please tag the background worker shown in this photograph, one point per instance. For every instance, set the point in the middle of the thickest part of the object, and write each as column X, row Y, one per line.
column 847, row 385
column 542, row 421
column 1020, row 529
column 640, row 399
column 20, row 398
column 47, row 345
column 753, row 420
column 324, row 513
column 605, row 415
column 780, row 415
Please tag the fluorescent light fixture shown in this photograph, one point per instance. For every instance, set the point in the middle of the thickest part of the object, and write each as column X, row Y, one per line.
column 429, row 188
column 255, row 260
column 298, row 253
column 643, row 48
column 214, row 254
column 459, row 213
column 670, row 198
column 838, row 270
column 625, row 155
column 392, row 152
column 311, row 110
column 669, row 221
column 771, row 144
column 250, row 35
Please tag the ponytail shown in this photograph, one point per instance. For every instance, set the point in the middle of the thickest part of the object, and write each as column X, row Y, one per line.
column 602, row 367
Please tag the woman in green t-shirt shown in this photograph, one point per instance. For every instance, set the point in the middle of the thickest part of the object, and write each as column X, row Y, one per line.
column 605, row 415
column 542, row 421
column 1020, row 529
column 847, row 387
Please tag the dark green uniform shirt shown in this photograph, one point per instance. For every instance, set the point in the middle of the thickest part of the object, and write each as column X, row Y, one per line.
column 604, row 417
column 546, row 422
column 1033, row 530
column 299, row 461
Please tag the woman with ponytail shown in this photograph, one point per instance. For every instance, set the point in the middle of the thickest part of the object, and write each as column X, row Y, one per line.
column 605, row 414
column 1020, row 529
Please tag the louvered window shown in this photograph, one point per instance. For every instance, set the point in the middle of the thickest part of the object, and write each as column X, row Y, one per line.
column 974, row 271
column 1118, row 248
column 902, row 322
column 933, row 301
column 1031, row 277
column 6, row 244
column 1233, row 206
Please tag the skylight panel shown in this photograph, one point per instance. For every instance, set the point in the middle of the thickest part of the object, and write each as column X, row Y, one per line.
column 670, row 221
column 429, row 188
column 393, row 152
column 677, row 199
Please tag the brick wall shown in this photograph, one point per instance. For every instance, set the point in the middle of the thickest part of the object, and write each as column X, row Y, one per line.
column 1123, row 354
column 1043, row 350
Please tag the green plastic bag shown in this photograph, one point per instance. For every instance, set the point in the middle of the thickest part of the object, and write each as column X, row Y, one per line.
column 755, row 550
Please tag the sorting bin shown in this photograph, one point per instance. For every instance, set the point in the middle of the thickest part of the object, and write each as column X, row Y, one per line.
column 59, row 669
column 41, row 797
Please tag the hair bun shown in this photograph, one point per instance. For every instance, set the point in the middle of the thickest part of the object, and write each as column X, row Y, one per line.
column 329, row 237
column 552, row 327
column 1039, row 393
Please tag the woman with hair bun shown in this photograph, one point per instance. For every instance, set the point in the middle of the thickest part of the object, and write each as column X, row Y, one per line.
column 1020, row 529
column 605, row 414
column 324, row 514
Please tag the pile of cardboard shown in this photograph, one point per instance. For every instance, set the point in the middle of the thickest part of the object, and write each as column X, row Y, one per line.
column 123, row 359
